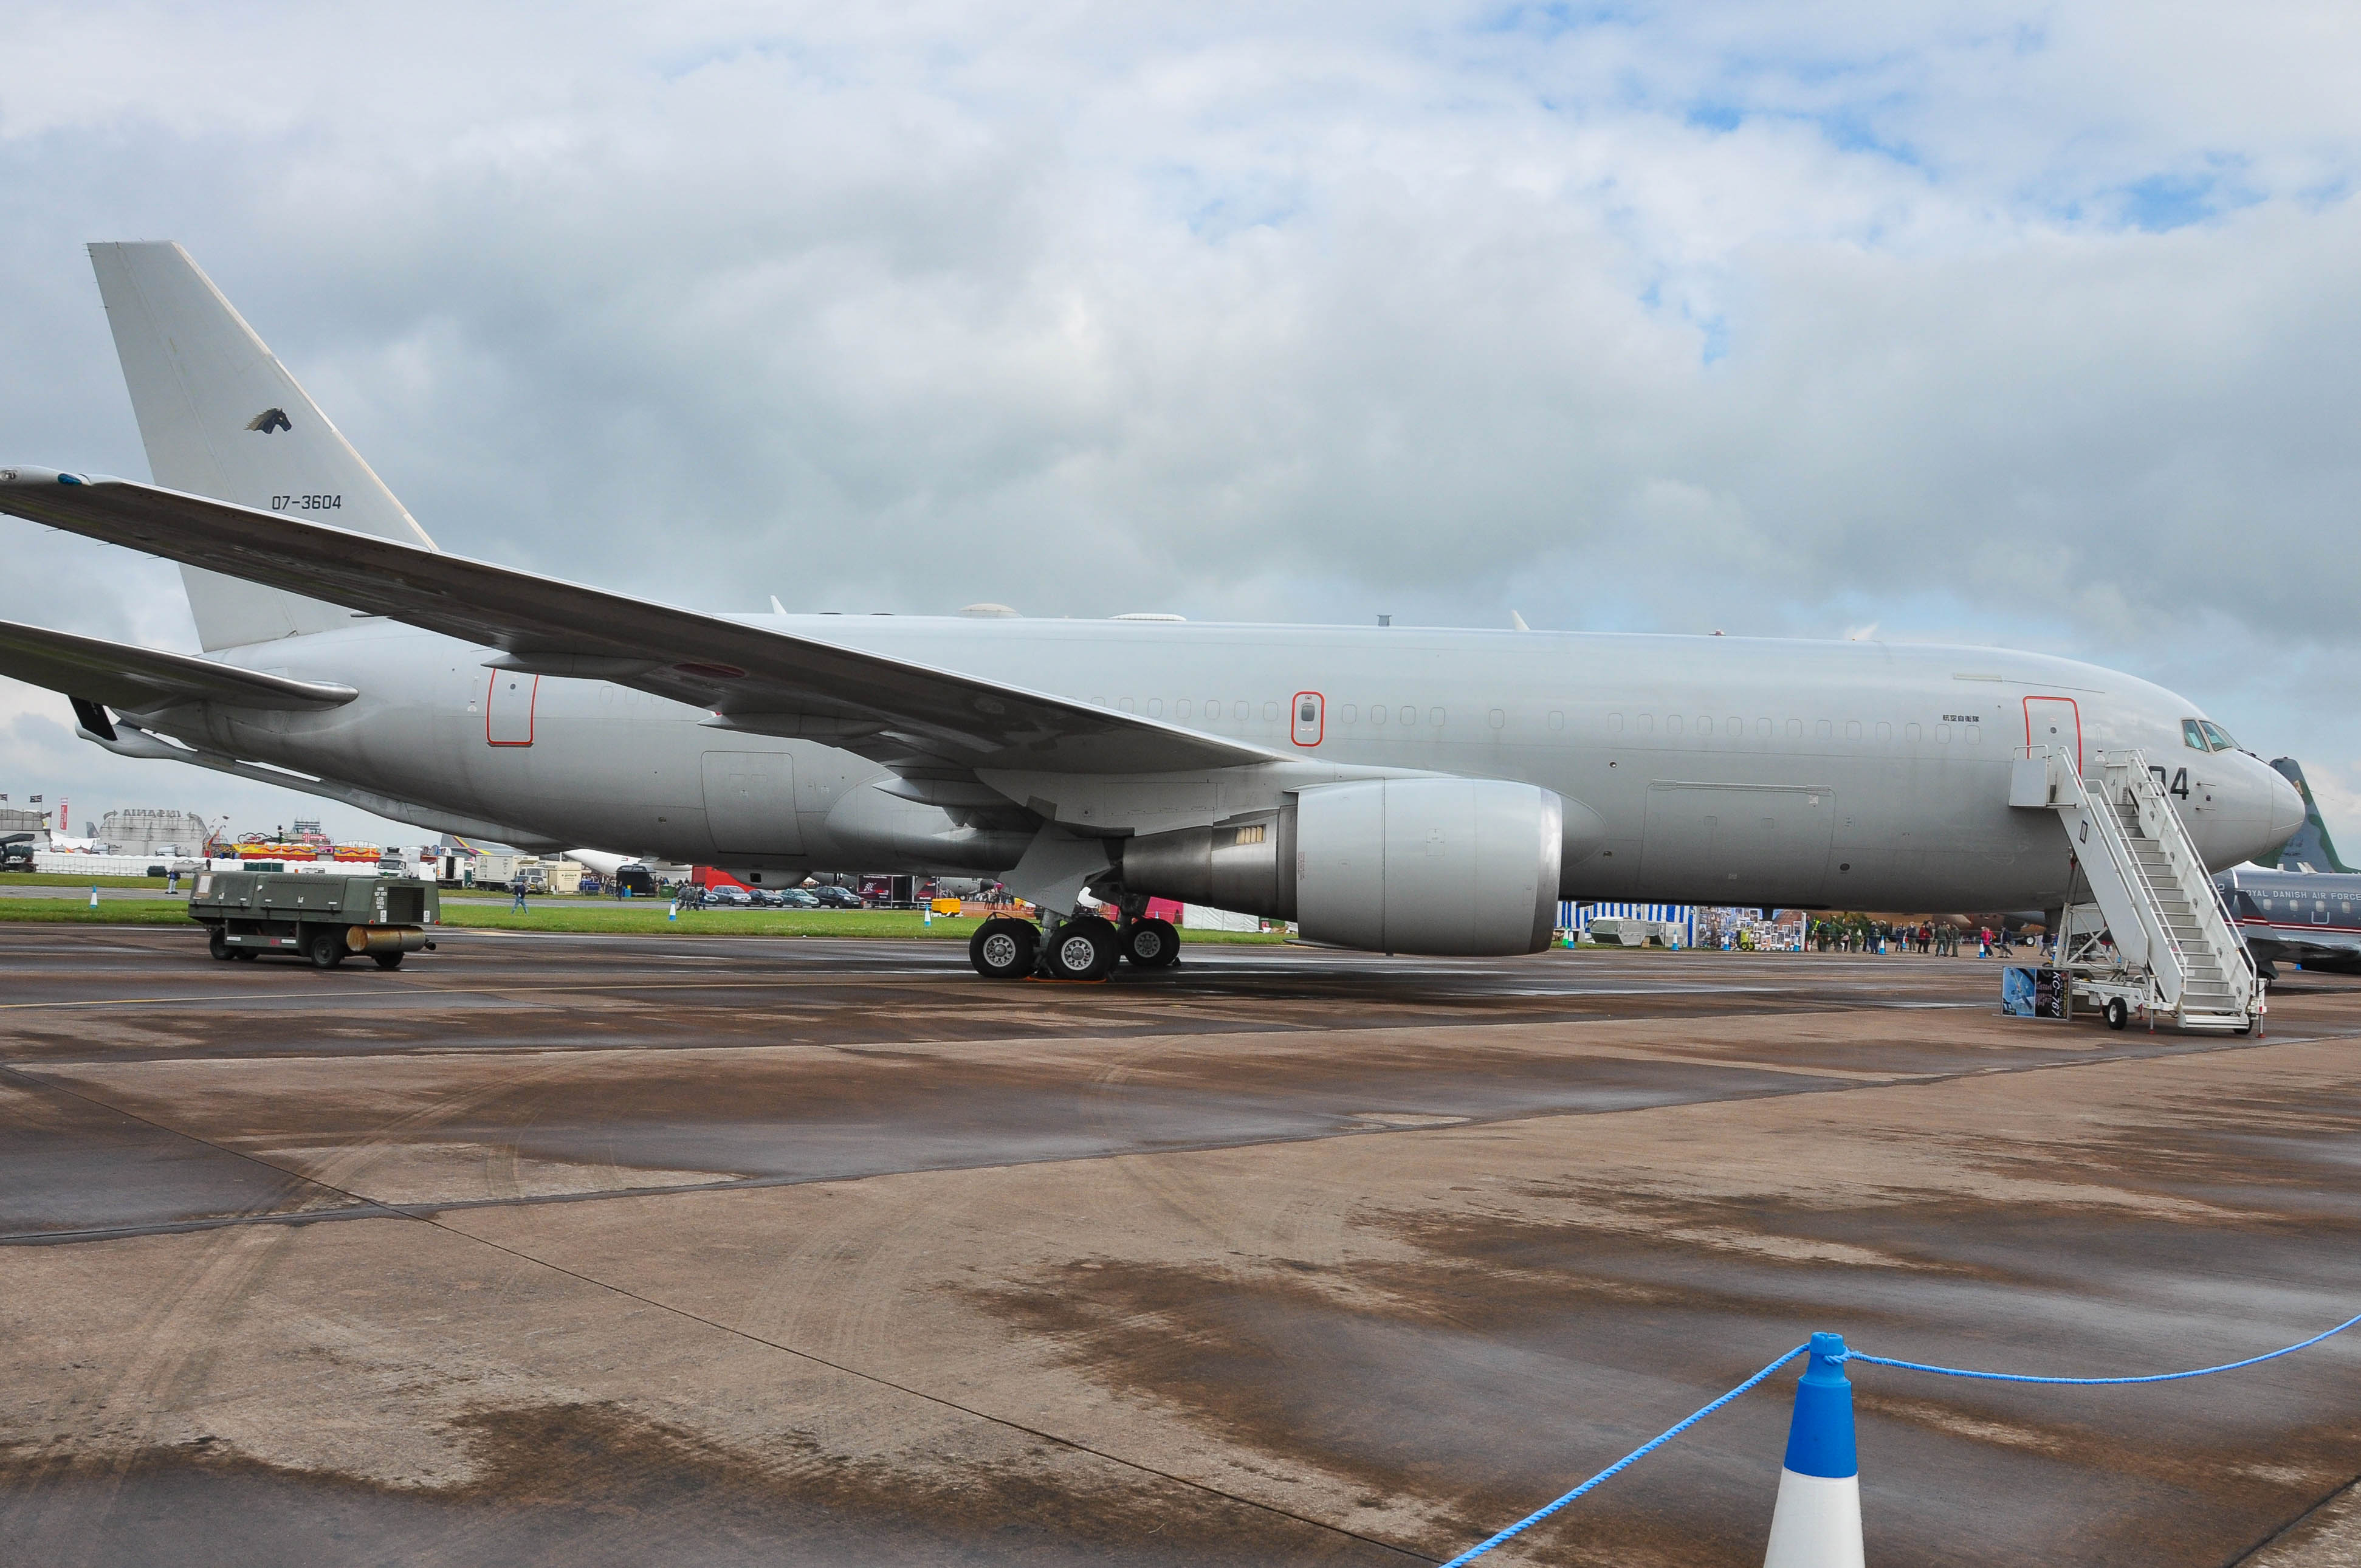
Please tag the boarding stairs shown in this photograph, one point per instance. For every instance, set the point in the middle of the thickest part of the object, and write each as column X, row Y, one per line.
column 2155, row 936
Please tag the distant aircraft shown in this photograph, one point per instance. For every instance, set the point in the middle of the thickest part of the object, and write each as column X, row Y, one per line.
column 1399, row 789
column 2308, row 912
column 2309, row 850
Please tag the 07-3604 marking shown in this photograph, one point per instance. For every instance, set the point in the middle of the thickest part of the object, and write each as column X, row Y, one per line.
column 306, row 503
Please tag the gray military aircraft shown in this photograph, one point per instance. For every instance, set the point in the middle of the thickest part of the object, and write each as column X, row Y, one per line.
column 2308, row 911
column 1390, row 788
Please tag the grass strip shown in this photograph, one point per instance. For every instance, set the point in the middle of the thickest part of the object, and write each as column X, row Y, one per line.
column 636, row 917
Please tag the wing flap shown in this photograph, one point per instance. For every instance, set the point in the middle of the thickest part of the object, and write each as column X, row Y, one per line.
column 142, row 680
column 714, row 662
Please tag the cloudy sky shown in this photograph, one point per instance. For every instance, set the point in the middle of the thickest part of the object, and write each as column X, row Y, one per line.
column 2024, row 325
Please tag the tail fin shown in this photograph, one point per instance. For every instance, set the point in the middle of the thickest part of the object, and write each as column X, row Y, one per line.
column 2309, row 850
column 221, row 417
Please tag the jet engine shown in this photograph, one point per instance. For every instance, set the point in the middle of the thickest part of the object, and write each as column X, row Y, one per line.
column 1464, row 867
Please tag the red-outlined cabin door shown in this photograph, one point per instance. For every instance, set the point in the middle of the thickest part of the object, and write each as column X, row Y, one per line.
column 508, row 709
column 1311, row 719
column 2055, row 721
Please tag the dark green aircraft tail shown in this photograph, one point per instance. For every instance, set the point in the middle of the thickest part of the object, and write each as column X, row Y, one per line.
column 2311, row 849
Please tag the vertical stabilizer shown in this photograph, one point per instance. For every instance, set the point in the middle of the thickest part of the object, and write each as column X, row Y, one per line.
column 221, row 417
column 2310, row 849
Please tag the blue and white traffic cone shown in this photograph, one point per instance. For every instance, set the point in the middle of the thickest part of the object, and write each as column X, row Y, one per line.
column 1817, row 1523
column 94, row 895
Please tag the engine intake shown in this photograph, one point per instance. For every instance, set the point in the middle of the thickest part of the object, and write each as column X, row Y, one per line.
column 1446, row 867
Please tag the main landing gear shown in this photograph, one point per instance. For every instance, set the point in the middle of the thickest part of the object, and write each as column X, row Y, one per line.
column 1084, row 948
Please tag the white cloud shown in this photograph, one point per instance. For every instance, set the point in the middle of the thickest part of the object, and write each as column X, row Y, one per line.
column 2005, row 323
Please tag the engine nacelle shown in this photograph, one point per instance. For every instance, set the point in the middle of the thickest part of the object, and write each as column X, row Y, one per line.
column 1464, row 867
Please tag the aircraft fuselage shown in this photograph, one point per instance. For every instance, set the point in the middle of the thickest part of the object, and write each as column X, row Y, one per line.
column 1720, row 770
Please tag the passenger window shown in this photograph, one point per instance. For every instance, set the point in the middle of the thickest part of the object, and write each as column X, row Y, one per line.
column 1241, row 709
column 1763, row 729
column 1647, row 724
column 1377, row 714
column 1558, row 722
column 1910, row 733
column 1271, row 713
column 1942, row 732
column 1820, row 730
column 1972, row 733
column 1125, row 704
column 1672, row 724
column 1885, row 730
column 1795, row 730
column 1408, row 714
column 1180, row 708
column 1156, row 707
column 2193, row 735
column 1496, row 718
column 1614, row 724
column 1351, row 712
column 1705, row 724
column 2222, row 741
column 1852, row 728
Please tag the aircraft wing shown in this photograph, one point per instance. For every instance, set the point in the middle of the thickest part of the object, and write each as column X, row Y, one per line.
column 755, row 678
column 140, row 679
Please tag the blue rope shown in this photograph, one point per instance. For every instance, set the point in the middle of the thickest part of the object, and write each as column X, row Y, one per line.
column 1630, row 1459
column 2153, row 1377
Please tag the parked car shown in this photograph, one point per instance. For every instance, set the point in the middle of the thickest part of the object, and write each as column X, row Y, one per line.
column 830, row 897
column 797, row 898
column 728, row 898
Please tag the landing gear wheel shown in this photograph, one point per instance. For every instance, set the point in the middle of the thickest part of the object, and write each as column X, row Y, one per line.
column 327, row 949
column 218, row 944
column 2117, row 1013
column 1150, row 944
column 1002, row 948
column 1082, row 949
column 388, row 960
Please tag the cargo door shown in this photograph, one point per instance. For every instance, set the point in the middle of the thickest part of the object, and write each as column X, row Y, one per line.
column 750, row 803
column 2055, row 721
column 508, row 709
column 1738, row 843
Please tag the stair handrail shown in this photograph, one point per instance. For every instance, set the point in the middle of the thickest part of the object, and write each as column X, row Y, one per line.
column 2160, row 822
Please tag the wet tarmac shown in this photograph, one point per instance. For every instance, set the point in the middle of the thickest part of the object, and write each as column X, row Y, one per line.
column 703, row 1249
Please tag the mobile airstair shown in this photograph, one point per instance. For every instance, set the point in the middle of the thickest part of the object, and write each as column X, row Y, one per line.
column 2154, row 940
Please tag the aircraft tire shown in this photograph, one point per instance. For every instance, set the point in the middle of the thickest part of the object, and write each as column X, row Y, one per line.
column 1002, row 948
column 325, row 950
column 218, row 944
column 1150, row 944
column 1082, row 949
column 2117, row 1013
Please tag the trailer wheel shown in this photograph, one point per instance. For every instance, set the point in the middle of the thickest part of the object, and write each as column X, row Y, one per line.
column 388, row 960
column 218, row 944
column 2117, row 1013
column 327, row 949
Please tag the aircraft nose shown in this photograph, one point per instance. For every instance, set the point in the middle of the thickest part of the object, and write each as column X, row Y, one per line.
column 2286, row 809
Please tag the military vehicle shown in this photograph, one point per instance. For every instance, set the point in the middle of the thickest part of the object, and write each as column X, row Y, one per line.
column 323, row 918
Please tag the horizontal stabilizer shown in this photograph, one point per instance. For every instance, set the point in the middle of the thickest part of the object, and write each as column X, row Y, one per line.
column 723, row 665
column 144, row 680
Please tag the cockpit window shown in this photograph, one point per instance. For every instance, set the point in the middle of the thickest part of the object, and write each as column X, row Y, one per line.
column 2193, row 734
column 2222, row 743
